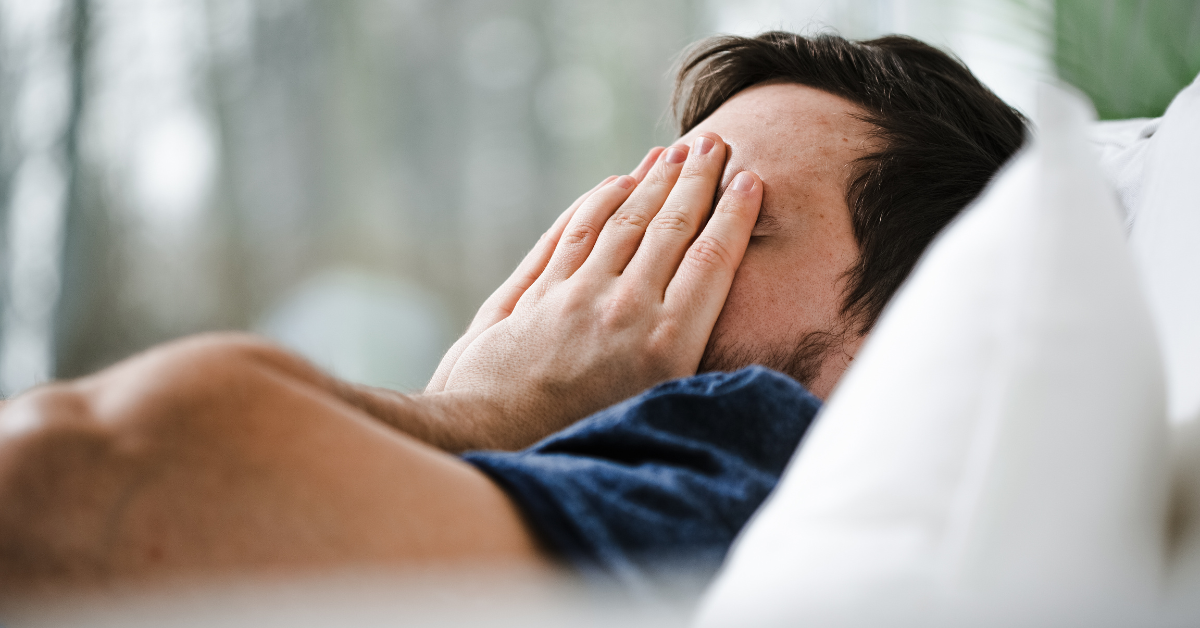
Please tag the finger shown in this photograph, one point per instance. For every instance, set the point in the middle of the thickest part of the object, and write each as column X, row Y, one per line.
column 639, row 173
column 624, row 229
column 437, row 383
column 500, row 304
column 697, row 292
column 672, row 228
column 580, row 234
column 535, row 261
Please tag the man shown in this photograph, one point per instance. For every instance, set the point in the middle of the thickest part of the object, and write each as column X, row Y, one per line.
column 222, row 453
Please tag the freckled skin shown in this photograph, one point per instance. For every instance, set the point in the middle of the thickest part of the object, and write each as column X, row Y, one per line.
column 802, row 142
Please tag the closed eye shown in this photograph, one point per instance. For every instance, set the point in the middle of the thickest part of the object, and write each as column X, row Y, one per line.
column 766, row 225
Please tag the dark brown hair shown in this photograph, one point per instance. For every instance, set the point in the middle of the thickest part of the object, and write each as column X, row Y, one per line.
column 942, row 136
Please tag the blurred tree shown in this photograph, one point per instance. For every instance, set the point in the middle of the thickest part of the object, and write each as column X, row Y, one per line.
column 1130, row 56
column 231, row 150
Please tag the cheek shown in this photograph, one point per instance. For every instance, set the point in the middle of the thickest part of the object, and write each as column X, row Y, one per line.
column 751, row 312
column 777, row 297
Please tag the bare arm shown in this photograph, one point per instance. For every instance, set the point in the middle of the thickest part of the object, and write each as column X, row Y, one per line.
column 224, row 453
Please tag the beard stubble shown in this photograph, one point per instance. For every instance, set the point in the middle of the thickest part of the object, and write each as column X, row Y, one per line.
column 801, row 360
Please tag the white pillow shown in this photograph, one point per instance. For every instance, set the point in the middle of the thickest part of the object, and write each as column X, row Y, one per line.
column 1166, row 243
column 1120, row 146
column 1183, row 569
column 1153, row 166
column 998, row 445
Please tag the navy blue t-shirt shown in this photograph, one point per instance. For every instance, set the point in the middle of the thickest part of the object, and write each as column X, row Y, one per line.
column 663, row 481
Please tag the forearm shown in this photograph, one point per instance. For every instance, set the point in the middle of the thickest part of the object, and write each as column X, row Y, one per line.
column 452, row 422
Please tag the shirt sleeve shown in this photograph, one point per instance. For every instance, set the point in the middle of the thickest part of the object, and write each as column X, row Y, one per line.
column 662, row 483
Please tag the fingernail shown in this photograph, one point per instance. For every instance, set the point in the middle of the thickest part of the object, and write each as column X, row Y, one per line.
column 624, row 181
column 676, row 154
column 743, row 182
column 702, row 145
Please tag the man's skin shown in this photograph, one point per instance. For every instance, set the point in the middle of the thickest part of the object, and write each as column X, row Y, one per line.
column 792, row 279
column 221, row 454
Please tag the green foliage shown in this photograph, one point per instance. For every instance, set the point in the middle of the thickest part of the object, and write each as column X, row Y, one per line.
column 1129, row 56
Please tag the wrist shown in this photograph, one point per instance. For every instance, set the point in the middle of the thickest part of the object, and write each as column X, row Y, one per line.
column 459, row 421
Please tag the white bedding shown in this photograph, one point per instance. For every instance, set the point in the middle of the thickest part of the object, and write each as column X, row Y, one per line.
column 998, row 454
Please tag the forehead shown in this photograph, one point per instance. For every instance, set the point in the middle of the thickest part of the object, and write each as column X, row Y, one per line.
column 795, row 137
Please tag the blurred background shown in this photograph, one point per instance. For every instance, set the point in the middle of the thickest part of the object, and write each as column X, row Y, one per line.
column 353, row 178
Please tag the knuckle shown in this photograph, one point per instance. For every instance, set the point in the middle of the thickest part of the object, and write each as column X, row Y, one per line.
column 694, row 174
column 709, row 252
column 656, row 347
column 575, row 299
column 537, row 292
column 621, row 307
column 629, row 218
column 579, row 233
column 659, row 176
column 735, row 204
column 661, row 346
column 673, row 220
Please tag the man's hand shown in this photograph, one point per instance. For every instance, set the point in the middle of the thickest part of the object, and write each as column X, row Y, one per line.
column 620, row 295
column 501, row 303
